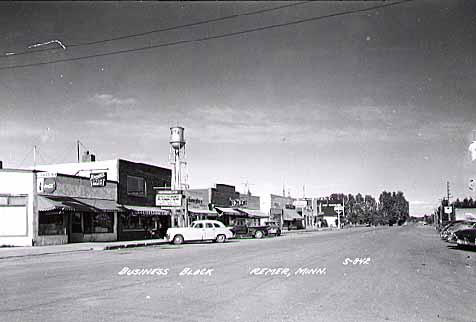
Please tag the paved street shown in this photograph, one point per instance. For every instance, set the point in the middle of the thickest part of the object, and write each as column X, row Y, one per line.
column 405, row 274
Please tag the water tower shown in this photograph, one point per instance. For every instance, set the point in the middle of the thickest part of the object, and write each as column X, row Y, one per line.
column 177, row 158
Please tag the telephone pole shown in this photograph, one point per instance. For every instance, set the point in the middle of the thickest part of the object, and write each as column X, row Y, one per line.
column 448, row 194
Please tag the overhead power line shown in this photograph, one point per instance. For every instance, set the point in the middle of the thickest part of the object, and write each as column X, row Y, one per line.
column 225, row 35
column 145, row 33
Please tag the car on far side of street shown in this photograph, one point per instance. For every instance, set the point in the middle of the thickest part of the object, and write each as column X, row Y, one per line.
column 200, row 230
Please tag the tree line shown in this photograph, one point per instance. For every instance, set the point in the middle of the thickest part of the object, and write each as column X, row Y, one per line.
column 391, row 208
column 465, row 203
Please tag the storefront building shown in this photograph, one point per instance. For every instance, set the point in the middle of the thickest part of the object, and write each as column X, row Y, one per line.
column 326, row 213
column 137, row 185
column 283, row 211
column 41, row 208
column 18, row 208
column 224, row 203
column 303, row 207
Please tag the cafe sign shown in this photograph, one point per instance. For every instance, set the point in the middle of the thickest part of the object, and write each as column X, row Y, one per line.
column 98, row 179
column 46, row 182
column 168, row 200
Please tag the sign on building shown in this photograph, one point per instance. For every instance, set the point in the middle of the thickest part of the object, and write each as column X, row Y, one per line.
column 300, row 203
column 448, row 210
column 339, row 208
column 98, row 179
column 238, row 202
column 168, row 200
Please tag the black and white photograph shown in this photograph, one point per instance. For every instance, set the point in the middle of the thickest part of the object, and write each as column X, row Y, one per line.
column 253, row 161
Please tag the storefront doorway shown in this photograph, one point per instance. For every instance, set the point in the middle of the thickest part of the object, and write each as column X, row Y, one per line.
column 76, row 228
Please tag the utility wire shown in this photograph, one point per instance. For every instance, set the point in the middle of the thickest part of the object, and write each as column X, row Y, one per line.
column 226, row 35
column 198, row 23
column 27, row 154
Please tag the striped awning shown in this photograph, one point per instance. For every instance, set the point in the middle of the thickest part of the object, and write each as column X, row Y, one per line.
column 62, row 203
column 206, row 212
column 230, row 212
column 253, row 213
column 147, row 210
column 291, row 214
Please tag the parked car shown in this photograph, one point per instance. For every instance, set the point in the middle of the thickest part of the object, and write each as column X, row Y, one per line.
column 200, row 230
column 270, row 228
column 466, row 237
column 448, row 234
column 444, row 229
column 273, row 228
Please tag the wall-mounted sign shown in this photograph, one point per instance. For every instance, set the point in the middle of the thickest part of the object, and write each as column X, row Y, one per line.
column 238, row 202
column 168, row 200
column 195, row 201
column 339, row 208
column 300, row 203
column 47, row 175
column 98, row 179
column 168, row 192
column 448, row 210
column 46, row 185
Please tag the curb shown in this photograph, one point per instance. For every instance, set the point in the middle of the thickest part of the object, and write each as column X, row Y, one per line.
column 49, row 253
column 142, row 244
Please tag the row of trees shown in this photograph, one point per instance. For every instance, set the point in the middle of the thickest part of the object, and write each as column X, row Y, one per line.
column 392, row 208
column 465, row 203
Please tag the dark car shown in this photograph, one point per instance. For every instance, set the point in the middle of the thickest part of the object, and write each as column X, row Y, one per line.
column 258, row 232
column 466, row 237
column 444, row 229
column 273, row 228
column 448, row 234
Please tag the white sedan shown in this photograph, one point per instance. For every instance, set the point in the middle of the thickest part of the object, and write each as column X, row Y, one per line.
column 199, row 230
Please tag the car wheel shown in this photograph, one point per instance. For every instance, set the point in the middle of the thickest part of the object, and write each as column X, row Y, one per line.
column 221, row 239
column 258, row 234
column 178, row 239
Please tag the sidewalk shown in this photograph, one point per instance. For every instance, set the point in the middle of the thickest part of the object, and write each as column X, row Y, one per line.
column 307, row 230
column 12, row 252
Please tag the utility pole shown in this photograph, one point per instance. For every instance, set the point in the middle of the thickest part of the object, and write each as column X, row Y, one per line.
column 34, row 156
column 448, row 196
column 77, row 146
column 448, row 191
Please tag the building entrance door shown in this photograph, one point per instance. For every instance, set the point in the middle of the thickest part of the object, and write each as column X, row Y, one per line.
column 77, row 228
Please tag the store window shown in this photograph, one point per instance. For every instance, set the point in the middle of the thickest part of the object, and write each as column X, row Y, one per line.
column 51, row 224
column 12, row 200
column 132, row 223
column 136, row 186
column 103, row 223
column 98, row 223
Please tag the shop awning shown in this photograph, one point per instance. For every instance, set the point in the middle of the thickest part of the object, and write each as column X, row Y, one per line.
column 230, row 212
column 206, row 212
column 61, row 203
column 253, row 213
column 147, row 210
column 291, row 214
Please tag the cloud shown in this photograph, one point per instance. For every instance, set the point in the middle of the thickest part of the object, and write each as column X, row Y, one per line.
column 419, row 202
column 108, row 100
column 298, row 124
column 11, row 129
column 48, row 135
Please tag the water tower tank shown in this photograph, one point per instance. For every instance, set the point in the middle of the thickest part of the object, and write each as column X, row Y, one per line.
column 177, row 139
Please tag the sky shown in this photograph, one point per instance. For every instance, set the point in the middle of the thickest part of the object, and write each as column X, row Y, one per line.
column 359, row 103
